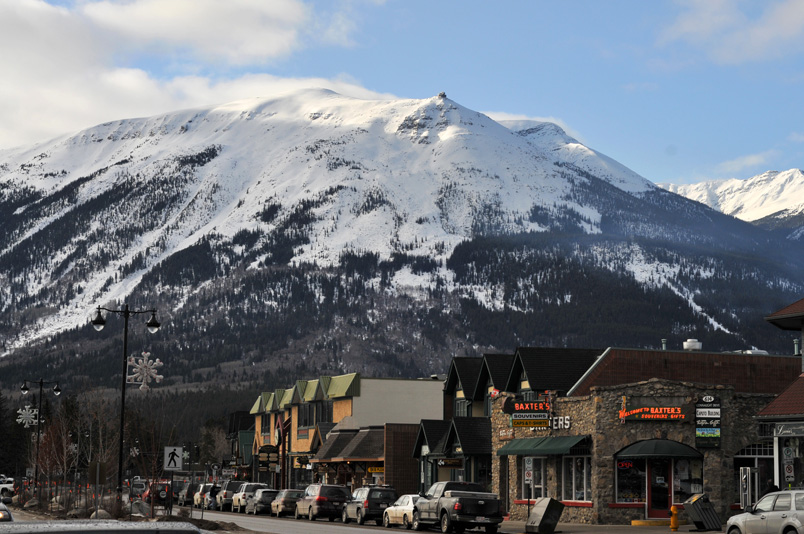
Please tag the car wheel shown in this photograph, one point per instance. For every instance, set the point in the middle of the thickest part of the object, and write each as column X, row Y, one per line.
column 310, row 514
column 446, row 524
column 344, row 516
column 491, row 529
column 734, row 530
column 386, row 521
column 360, row 519
column 406, row 522
column 417, row 524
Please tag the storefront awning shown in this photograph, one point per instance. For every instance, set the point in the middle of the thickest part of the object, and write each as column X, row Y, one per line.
column 539, row 446
column 652, row 448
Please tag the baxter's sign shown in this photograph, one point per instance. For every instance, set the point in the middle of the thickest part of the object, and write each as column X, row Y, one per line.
column 653, row 409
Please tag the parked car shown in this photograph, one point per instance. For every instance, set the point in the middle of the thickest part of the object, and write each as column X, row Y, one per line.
column 401, row 512
column 205, row 496
column 458, row 506
column 285, row 502
column 177, row 486
column 777, row 512
column 186, row 494
column 369, row 503
column 246, row 490
column 5, row 513
column 260, row 502
column 138, row 487
column 159, row 493
column 228, row 489
column 322, row 500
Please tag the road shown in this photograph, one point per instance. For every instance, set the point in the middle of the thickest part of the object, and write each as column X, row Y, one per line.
column 287, row 525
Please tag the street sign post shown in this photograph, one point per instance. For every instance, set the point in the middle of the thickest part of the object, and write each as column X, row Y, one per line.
column 172, row 461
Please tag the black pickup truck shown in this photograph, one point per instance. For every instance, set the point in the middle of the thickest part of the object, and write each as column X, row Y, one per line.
column 456, row 506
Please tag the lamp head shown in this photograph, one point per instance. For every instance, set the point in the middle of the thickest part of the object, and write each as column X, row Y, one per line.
column 99, row 322
column 56, row 390
column 152, row 324
column 24, row 388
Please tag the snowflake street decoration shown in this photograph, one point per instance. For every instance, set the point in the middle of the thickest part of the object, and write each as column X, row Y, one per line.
column 144, row 370
column 134, row 452
column 28, row 416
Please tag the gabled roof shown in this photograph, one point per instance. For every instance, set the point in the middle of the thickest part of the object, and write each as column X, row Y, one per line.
column 431, row 432
column 344, row 386
column 258, row 406
column 463, row 373
column 286, row 397
column 789, row 403
column 472, row 433
column 554, row 369
column 334, row 444
column 367, row 444
column 320, row 435
column 494, row 368
column 299, row 390
column 313, row 391
column 789, row 318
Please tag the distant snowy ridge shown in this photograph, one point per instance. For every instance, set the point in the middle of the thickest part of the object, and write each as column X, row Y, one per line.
column 767, row 194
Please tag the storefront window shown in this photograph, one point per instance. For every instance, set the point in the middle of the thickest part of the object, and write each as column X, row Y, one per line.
column 577, row 478
column 630, row 480
column 758, row 456
column 687, row 479
column 531, row 469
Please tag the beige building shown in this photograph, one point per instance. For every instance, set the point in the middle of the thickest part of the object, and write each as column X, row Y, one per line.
column 292, row 424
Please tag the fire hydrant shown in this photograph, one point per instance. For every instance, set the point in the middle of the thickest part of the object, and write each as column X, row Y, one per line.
column 673, row 518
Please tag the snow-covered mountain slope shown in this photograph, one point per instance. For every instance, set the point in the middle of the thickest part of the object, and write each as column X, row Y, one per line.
column 772, row 199
column 363, row 225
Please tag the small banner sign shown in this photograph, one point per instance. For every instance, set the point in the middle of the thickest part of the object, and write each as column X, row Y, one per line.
column 707, row 422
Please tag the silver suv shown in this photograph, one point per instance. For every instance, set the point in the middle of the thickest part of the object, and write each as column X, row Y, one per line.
column 224, row 497
column 777, row 512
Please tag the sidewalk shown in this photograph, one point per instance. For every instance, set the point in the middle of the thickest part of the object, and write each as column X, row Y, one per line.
column 516, row 527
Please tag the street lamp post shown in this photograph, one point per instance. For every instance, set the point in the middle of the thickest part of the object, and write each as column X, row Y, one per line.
column 57, row 392
column 153, row 325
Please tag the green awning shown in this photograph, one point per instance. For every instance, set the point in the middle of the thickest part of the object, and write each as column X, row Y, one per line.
column 539, row 446
column 653, row 448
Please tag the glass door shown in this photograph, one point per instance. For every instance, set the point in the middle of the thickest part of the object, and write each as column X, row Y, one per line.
column 659, row 484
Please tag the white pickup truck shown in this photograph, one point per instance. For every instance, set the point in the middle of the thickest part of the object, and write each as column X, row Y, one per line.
column 6, row 486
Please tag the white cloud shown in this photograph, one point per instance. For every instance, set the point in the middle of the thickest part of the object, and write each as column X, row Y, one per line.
column 238, row 31
column 730, row 36
column 746, row 162
column 77, row 66
column 796, row 137
column 503, row 116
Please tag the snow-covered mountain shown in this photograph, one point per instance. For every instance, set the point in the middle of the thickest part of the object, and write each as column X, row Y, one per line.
column 332, row 233
column 773, row 199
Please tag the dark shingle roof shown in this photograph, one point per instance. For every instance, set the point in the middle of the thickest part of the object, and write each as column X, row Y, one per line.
column 553, row 368
column 789, row 403
column 368, row 443
column 496, row 367
column 463, row 371
column 335, row 443
column 788, row 318
column 473, row 433
column 431, row 433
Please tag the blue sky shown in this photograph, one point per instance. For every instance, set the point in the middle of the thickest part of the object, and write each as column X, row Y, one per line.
column 679, row 91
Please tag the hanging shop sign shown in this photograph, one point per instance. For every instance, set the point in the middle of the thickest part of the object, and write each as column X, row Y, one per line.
column 654, row 409
column 707, row 422
column 534, row 414
column 785, row 430
column 378, row 470
column 450, row 463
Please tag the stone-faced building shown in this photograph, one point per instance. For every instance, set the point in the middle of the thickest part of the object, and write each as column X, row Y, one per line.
column 638, row 432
